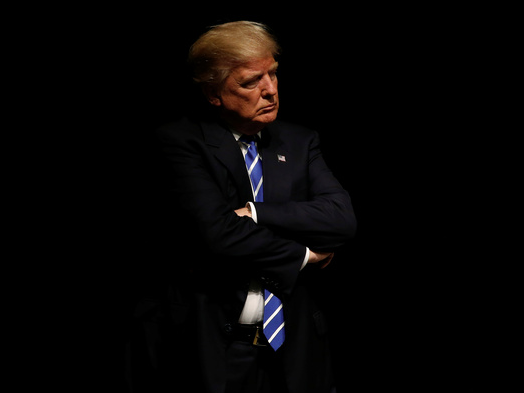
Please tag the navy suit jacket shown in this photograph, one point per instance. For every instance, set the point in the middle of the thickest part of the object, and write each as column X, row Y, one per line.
column 219, row 252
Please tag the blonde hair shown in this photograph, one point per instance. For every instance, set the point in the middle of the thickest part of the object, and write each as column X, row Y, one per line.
column 226, row 46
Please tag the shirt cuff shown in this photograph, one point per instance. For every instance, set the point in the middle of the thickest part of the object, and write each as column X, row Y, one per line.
column 306, row 258
column 251, row 207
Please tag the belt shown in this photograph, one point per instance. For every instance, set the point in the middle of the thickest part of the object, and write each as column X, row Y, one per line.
column 252, row 334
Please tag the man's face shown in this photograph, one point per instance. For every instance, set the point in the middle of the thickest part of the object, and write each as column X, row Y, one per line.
column 249, row 97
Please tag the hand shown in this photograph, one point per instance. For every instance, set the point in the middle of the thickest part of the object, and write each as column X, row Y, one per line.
column 323, row 258
column 243, row 212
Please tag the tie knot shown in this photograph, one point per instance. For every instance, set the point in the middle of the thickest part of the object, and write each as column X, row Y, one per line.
column 249, row 139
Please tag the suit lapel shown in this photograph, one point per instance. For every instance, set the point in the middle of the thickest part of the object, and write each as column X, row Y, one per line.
column 277, row 170
column 227, row 151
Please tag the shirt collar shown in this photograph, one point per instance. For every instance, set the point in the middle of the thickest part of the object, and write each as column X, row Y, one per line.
column 237, row 134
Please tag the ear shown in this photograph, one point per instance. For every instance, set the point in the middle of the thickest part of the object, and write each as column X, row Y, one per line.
column 212, row 95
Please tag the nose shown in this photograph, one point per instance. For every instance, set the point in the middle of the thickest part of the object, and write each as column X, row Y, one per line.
column 269, row 85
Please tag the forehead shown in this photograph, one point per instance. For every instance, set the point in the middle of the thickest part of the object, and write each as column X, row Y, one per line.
column 256, row 66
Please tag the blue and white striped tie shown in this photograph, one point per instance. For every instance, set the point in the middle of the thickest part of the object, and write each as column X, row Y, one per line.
column 254, row 167
column 273, row 312
column 273, row 320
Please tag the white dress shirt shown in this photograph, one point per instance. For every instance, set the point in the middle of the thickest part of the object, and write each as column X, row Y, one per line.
column 253, row 311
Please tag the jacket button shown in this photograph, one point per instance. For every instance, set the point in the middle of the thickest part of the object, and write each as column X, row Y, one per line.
column 228, row 328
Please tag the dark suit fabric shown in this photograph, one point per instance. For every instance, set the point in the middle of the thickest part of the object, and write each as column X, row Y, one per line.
column 213, row 254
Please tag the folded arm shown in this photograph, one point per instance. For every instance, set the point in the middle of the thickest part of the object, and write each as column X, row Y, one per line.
column 324, row 221
column 312, row 257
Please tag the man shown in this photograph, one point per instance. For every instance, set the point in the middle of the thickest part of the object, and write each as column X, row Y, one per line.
column 267, row 214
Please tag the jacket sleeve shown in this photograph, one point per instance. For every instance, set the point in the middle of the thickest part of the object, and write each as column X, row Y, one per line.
column 325, row 220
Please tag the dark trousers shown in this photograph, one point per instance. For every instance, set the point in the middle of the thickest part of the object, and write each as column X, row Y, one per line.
column 252, row 369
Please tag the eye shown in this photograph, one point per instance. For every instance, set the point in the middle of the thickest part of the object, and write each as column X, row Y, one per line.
column 250, row 84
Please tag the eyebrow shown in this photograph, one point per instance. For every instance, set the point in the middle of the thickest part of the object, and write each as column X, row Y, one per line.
column 257, row 74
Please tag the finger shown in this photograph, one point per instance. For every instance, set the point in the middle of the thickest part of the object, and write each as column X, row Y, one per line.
column 327, row 261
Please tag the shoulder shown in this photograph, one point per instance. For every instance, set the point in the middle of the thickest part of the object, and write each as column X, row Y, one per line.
column 293, row 134
column 292, row 131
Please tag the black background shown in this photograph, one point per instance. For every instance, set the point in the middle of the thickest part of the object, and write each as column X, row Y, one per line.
column 382, row 86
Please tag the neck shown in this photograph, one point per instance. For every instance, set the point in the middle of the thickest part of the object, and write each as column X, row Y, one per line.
column 247, row 128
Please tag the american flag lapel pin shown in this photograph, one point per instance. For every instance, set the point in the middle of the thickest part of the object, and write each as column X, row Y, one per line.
column 281, row 158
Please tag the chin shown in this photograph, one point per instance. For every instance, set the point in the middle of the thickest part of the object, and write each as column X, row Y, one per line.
column 267, row 118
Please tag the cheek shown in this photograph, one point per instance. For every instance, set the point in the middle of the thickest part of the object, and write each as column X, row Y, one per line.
column 246, row 103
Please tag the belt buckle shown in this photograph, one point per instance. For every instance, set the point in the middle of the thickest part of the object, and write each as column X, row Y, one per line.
column 257, row 338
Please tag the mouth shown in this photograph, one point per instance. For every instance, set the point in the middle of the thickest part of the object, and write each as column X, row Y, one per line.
column 269, row 108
